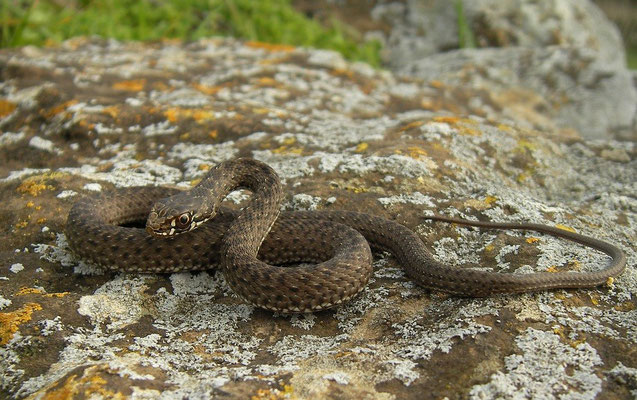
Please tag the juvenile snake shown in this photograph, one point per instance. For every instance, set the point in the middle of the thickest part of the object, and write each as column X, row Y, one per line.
column 244, row 244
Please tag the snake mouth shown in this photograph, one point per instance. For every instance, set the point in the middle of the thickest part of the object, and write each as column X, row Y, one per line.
column 159, row 232
column 170, row 230
column 159, row 225
column 165, row 230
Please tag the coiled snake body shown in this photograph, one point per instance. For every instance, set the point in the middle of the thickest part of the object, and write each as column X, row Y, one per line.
column 245, row 244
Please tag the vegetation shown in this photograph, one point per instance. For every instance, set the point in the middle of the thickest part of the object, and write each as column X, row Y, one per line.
column 466, row 38
column 43, row 22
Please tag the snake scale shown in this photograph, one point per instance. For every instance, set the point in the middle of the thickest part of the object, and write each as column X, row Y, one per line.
column 247, row 243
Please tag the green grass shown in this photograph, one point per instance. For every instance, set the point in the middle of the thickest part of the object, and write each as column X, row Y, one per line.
column 43, row 22
column 631, row 57
column 466, row 39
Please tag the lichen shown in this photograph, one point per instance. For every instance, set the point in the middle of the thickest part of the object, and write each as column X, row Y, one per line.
column 546, row 369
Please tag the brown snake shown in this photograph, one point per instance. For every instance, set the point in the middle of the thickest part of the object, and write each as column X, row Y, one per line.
column 244, row 244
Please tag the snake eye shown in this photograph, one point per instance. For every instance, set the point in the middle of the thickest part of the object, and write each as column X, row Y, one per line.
column 183, row 220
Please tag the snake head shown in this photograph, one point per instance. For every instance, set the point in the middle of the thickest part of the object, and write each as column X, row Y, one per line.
column 174, row 215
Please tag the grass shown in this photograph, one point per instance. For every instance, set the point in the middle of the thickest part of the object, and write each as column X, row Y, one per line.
column 46, row 22
column 466, row 39
column 631, row 58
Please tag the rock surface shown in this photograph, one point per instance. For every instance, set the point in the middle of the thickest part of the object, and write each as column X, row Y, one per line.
column 94, row 115
column 561, row 60
column 421, row 29
column 547, row 88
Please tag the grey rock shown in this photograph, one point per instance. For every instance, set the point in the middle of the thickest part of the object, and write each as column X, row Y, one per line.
column 423, row 28
column 566, row 23
column 341, row 136
column 566, row 52
column 570, row 87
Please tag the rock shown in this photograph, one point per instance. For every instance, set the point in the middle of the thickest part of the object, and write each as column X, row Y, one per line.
column 562, row 63
column 92, row 115
column 421, row 29
column 550, row 88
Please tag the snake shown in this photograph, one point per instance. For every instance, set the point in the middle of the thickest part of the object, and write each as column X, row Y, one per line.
column 287, row 261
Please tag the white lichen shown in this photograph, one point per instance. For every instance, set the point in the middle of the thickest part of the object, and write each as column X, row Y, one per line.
column 546, row 369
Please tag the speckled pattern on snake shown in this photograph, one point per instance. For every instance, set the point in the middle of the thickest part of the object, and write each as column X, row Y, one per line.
column 188, row 230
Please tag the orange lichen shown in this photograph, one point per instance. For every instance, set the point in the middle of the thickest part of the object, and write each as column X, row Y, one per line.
column 172, row 114
column 6, row 108
column 133, row 85
column 27, row 290
column 346, row 73
column 36, row 184
column 112, row 111
column 270, row 46
column 58, row 109
column 202, row 115
column 356, row 189
column 524, row 145
column 461, row 124
column 58, row 295
column 465, row 130
column 209, row 90
column 33, row 187
column 87, row 385
column 274, row 60
column 503, row 127
column 490, row 200
column 288, row 150
column 559, row 330
column 175, row 114
column 427, row 104
column 575, row 265
column 414, row 124
column 416, row 152
column 532, row 240
column 288, row 141
column 267, row 81
column 274, row 394
column 575, row 343
column 594, row 300
column 361, row 147
column 9, row 322
column 287, row 147
column 412, row 151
